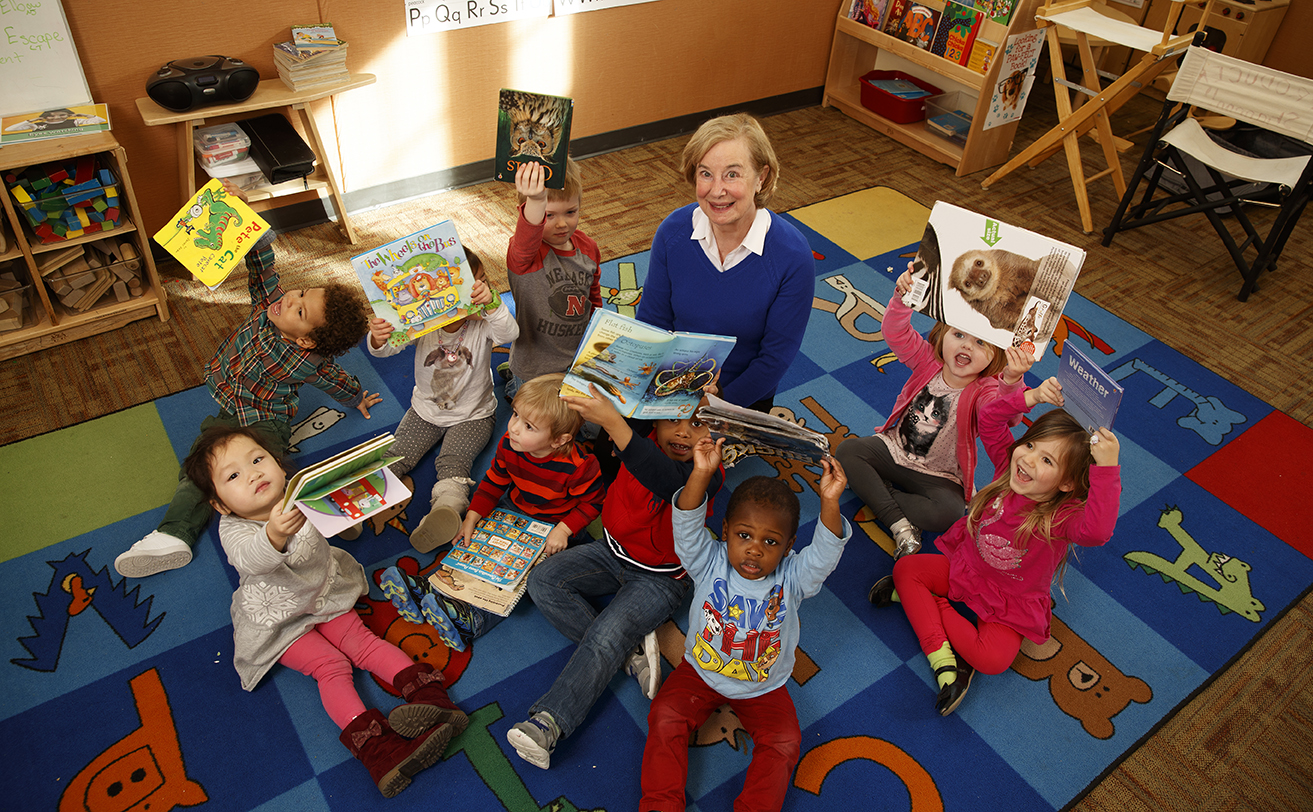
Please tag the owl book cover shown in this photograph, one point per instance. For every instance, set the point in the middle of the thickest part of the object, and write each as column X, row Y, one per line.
column 995, row 281
column 419, row 282
column 533, row 127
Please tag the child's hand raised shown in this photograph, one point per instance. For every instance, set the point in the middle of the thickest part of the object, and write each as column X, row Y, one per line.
column 529, row 180
column 833, row 479
column 232, row 189
column 380, row 330
column 1104, row 447
column 282, row 526
column 595, row 409
column 1019, row 363
column 1048, row 392
column 904, row 284
column 707, row 455
column 480, row 293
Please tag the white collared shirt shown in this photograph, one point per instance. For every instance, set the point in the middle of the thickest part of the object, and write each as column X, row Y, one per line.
column 753, row 243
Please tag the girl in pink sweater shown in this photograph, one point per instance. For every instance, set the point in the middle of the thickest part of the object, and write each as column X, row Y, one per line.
column 1056, row 486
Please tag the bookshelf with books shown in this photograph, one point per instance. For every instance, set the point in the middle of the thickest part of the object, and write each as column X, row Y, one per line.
column 856, row 49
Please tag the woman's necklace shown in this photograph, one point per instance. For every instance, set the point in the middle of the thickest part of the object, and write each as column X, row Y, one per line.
column 450, row 351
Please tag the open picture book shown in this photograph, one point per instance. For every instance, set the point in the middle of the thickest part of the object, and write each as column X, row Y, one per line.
column 419, row 282
column 347, row 488
column 489, row 569
column 996, row 281
column 532, row 127
column 1089, row 394
column 760, row 433
column 212, row 233
column 645, row 371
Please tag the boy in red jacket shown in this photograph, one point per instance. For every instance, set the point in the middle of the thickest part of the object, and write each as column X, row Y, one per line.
column 635, row 562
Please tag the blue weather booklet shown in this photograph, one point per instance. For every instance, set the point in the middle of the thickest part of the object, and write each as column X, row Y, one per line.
column 1089, row 394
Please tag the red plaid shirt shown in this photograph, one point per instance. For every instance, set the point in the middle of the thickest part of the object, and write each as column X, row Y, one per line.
column 255, row 374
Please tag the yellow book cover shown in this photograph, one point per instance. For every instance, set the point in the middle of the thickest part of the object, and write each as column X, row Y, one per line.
column 211, row 233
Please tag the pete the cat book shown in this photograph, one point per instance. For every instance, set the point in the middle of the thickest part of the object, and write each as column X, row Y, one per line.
column 532, row 127
column 211, row 233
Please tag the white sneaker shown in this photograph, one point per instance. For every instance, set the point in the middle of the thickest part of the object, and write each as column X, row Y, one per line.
column 644, row 665
column 158, row 552
column 907, row 539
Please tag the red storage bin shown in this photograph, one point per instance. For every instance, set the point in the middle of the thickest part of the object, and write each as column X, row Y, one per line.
column 899, row 111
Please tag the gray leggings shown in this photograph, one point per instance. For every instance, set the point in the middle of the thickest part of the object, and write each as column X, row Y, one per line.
column 461, row 443
column 931, row 503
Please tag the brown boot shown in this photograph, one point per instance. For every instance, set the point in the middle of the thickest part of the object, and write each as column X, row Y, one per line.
column 427, row 703
column 392, row 760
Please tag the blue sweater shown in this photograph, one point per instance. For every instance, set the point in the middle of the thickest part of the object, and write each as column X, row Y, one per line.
column 764, row 301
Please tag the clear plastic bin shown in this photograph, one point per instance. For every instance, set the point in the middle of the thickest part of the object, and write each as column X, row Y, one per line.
column 948, row 115
column 221, row 144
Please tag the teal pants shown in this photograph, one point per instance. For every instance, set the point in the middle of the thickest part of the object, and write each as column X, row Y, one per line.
column 189, row 511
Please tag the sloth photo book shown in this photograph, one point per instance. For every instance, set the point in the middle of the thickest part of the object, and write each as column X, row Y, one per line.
column 996, row 281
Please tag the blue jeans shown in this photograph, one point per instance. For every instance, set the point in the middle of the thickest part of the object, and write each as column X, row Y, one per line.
column 560, row 587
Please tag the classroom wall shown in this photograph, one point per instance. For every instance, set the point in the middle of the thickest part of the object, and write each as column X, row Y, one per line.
column 434, row 105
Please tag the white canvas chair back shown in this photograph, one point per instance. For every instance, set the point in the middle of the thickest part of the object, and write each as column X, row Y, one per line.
column 1254, row 94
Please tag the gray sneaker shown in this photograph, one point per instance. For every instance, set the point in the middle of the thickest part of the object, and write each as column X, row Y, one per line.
column 535, row 739
column 644, row 665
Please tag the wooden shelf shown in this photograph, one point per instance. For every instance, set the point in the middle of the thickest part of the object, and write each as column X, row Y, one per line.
column 270, row 94
column 854, row 52
column 46, row 322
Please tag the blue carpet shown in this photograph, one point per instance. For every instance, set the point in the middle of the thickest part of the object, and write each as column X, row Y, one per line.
column 121, row 695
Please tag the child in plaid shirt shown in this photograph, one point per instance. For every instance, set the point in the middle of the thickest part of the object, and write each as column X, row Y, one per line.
column 289, row 339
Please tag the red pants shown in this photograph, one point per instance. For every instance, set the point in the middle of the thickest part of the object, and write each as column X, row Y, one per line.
column 681, row 706
column 922, row 583
column 327, row 653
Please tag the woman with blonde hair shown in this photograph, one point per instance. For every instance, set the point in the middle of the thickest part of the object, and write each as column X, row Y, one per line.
column 726, row 264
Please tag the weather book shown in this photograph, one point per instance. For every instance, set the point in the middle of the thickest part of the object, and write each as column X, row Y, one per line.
column 760, row 433
column 347, row 488
column 645, row 371
column 419, row 282
column 211, row 233
column 532, row 127
column 500, row 551
column 995, row 281
column 1089, row 394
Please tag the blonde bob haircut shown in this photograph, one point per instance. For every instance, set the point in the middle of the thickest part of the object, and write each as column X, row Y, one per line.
column 727, row 128
column 539, row 401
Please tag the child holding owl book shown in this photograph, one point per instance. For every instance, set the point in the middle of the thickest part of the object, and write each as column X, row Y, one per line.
column 554, row 271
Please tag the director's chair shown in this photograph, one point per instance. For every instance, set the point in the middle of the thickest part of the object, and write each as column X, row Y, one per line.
column 1079, row 20
column 1267, row 98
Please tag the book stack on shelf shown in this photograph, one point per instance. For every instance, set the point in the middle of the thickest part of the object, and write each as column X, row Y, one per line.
column 314, row 56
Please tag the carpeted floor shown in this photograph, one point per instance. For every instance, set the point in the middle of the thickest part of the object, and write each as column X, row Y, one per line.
column 1243, row 739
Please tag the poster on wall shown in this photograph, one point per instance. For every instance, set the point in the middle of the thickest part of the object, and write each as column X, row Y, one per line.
column 1015, row 76
column 432, row 16
column 580, row 6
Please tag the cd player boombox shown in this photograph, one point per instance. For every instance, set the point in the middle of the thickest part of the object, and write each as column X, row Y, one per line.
column 200, row 80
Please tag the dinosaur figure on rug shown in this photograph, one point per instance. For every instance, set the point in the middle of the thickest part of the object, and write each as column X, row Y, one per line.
column 1232, row 592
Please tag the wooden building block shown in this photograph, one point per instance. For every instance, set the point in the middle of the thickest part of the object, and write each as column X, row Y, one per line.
column 121, row 290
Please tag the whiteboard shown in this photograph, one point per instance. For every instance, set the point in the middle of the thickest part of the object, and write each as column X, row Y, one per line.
column 39, row 67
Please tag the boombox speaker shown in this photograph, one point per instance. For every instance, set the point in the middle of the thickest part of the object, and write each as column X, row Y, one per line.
column 183, row 84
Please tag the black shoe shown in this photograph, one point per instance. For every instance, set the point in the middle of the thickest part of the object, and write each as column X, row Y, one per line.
column 952, row 694
column 882, row 593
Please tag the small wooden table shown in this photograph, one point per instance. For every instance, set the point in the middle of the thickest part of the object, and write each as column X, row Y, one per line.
column 269, row 94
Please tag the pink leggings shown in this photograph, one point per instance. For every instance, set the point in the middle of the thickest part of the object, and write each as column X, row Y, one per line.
column 327, row 653
column 922, row 583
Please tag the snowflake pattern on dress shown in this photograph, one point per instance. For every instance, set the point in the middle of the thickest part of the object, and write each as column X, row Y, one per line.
column 322, row 599
column 995, row 550
column 266, row 604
